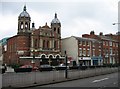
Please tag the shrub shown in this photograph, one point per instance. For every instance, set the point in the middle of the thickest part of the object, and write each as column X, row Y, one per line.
column 15, row 65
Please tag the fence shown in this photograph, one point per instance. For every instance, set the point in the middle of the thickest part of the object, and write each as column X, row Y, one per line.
column 39, row 78
column 0, row 80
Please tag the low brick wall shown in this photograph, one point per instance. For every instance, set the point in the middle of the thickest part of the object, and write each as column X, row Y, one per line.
column 39, row 78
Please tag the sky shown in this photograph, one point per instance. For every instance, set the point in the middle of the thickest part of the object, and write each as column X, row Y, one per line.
column 77, row 17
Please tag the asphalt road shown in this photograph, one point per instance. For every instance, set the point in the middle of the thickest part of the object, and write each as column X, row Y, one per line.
column 109, row 80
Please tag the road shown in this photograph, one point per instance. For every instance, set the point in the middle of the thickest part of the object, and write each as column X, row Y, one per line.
column 109, row 80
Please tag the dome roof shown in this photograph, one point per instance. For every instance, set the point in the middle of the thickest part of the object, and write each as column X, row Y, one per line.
column 24, row 13
column 55, row 20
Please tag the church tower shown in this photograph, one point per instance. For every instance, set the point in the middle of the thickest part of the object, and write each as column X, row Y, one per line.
column 56, row 26
column 24, row 22
column 56, row 31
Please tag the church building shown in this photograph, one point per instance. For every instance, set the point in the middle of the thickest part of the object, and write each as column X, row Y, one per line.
column 34, row 46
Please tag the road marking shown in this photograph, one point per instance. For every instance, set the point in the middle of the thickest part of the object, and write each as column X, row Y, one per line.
column 99, row 80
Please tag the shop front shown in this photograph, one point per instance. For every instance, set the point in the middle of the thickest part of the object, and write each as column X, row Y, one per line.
column 85, row 61
column 96, row 60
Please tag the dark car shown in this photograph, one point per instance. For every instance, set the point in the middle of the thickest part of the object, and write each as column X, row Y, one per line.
column 45, row 67
column 61, row 67
column 74, row 67
column 24, row 68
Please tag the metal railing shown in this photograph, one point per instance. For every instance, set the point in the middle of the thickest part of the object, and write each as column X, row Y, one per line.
column 38, row 78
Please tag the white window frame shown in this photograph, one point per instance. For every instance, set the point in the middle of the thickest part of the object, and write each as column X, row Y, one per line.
column 110, row 43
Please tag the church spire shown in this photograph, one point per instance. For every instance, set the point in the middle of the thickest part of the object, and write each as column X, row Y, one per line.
column 55, row 15
column 24, row 9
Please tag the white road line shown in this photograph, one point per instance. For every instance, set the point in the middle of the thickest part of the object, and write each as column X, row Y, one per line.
column 99, row 80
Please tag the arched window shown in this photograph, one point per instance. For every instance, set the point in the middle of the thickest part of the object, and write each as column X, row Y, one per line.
column 54, row 29
column 58, row 30
column 50, row 56
column 35, row 43
column 47, row 44
column 55, row 45
column 43, row 44
column 57, row 57
column 43, row 56
column 21, row 25
column 26, row 25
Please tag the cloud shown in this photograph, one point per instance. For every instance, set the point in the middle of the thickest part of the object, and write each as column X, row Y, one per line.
column 77, row 17
column 40, row 18
column 81, row 26
column 8, row 26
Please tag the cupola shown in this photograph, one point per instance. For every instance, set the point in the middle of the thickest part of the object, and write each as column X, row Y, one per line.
column 24, row 13
column 55, row 20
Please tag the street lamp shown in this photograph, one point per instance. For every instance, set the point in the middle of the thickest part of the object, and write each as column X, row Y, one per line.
column 66, row 72
column 33, row 62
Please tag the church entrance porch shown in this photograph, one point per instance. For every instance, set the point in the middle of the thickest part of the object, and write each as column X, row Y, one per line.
column 37, row 61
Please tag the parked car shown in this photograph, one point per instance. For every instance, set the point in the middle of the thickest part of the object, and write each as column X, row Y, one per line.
column 83, row 67
column 74, row 67
column 24, row 68
column 61, row 67
column 45, row 67
column 35, row 68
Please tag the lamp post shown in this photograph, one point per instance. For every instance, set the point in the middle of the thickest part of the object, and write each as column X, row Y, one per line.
column 33, row 62
column 66, row 72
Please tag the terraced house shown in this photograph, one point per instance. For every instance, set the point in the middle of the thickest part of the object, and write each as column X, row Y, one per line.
column 91, row 49
column 85, row 51
column 109, row 47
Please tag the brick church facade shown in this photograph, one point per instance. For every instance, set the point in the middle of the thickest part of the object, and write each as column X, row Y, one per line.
column 36, row 46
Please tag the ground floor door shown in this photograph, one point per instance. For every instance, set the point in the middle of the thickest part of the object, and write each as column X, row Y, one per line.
column 95, row 62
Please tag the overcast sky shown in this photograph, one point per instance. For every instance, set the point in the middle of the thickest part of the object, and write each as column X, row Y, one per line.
column 77, row 17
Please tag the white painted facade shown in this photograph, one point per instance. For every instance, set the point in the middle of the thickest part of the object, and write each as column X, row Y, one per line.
column 70, row 44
